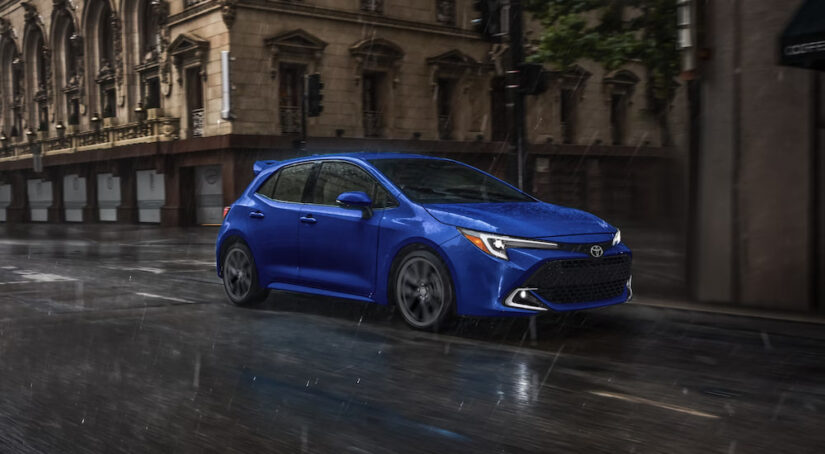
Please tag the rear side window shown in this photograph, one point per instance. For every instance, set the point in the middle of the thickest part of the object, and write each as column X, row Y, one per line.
column 268, row 187
column 288, row 184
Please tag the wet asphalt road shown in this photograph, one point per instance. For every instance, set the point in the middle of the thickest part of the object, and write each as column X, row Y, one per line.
column 119, row 339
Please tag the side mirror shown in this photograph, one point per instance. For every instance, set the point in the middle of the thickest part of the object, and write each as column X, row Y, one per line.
column 357, row 200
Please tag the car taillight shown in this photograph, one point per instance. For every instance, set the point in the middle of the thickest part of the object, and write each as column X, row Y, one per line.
column 225, row 211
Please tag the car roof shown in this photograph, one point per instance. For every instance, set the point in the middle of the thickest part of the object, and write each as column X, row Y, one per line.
column 362, row 156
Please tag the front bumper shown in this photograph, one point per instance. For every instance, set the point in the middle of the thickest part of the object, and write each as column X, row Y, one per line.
column 488, row 286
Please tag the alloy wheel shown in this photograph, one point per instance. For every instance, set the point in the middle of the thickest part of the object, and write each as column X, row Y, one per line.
column 237, row 274
column 420, row 292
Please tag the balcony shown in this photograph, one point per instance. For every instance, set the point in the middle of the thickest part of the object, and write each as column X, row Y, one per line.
column 196, row 117
column 372, row 124
column 445, row 127
column 290, row 119
column 149, row 131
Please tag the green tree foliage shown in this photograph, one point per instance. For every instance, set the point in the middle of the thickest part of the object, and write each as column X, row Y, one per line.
column 613, row 33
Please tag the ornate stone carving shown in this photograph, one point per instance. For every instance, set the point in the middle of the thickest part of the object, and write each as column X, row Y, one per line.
column 228, row 11
column 188, row 48
column 5, row 26
column 296, row 46
column 379, row 55
column 117, row 47
column 46, row 54
column 30, row 14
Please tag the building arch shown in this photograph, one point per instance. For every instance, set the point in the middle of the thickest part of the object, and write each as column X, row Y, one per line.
column 11, row 79
column 145, row 39
column 102, row 29
column 36, row 59
column 68, row 65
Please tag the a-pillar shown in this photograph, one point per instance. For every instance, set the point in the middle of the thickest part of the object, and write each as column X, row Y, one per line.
column 91, row 211
column 127, row 210
column 18, row 210
column 56, row 211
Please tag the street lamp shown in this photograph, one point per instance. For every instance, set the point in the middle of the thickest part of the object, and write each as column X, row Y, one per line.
column 4, row 139
column 140, row 112
column 61, row 130
column 96, row 126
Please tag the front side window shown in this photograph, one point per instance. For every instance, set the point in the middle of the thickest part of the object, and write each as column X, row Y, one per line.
column 291, row 182
column 440, row 181
column 339, row 177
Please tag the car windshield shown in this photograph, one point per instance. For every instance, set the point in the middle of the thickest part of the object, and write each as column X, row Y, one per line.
column 429, row 181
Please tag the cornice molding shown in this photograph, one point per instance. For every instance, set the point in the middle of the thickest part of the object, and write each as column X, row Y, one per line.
column 314, row 11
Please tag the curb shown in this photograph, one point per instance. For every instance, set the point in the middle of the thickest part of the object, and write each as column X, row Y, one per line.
column 797, row 317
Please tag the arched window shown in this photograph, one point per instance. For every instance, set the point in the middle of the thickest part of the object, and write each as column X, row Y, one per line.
column 12, row 87
column 149, row 32
column 67, row 67
column 37, row 58
column 148, row 17
column 101, row 31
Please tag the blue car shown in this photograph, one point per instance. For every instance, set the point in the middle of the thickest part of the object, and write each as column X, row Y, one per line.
column 433, row 236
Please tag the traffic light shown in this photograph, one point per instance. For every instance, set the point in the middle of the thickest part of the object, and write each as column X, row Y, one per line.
column 488, row 22
column 314, row 97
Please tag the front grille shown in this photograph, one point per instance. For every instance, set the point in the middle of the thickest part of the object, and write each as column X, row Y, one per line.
column 581, row 280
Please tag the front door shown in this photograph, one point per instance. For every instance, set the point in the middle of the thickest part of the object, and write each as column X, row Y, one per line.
column 339, row 245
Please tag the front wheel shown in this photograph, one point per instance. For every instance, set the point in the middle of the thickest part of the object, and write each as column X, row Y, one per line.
column 423, row 290
column 240, row 277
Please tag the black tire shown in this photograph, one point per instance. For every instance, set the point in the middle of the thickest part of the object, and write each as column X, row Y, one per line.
column 240, row 276
column 423, row 291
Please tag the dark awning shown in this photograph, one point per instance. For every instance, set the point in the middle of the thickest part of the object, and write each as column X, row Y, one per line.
column 803, row 41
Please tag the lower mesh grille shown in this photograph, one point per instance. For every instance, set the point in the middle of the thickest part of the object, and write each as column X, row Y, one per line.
column 581, row 280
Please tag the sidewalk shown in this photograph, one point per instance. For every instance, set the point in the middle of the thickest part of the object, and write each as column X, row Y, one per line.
column 727, row 309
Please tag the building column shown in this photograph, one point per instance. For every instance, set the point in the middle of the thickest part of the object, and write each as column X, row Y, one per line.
column 91, row 212
column 127, row 210
column 18, row 210
column 55, row 211
column 230, row 193
column 594, row 186
column 170, row 212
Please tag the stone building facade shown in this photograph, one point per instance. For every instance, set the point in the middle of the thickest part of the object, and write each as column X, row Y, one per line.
column 122, row 103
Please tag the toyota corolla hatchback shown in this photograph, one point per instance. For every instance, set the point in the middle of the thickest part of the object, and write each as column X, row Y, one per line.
column 432, row 236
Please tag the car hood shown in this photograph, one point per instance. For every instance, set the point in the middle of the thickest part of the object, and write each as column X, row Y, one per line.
column 521, row 219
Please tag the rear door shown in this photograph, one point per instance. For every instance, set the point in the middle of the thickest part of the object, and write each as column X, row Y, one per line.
column 339, row 246
column 274, row 220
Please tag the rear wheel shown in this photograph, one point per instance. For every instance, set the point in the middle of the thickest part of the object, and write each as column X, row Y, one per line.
column 240, row 276
column 423, row 290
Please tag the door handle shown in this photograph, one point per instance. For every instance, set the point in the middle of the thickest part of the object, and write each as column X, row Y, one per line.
column 256, row 214
column 308, row 219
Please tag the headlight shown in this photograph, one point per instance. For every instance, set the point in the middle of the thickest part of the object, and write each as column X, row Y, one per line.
column 497, row 245
column 617, row 238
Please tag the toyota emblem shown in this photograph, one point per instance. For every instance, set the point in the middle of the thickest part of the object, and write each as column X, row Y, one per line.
column 596, row 250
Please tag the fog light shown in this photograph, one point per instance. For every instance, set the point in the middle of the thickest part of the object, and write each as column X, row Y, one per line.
column 523, row 298
column 630, row 288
